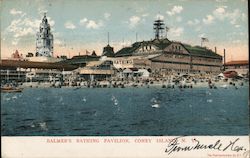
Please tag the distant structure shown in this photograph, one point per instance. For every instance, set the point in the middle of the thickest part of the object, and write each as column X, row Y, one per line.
column 16, row 56
column 44, row 39
column 30, row 54
column 158, row 27
column 93, row 53
column 240, row 66
column 108, row 50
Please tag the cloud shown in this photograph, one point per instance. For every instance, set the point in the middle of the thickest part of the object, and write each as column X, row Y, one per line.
column 208, row 20
column 15, row 12
column 83, row 21
column 220, row 13
column 159, row 16
column 179, row 19
column 91, row 24
column 176, row 32
column 134, row 21
column 107, row 16
column 15, row 41
column 175, row 10
column 234, row 16
column 23, row 27
column 69, row 25
column 193, row 22
column 237, row 26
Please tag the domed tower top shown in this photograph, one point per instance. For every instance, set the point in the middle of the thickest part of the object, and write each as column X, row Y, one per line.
column 45, row 19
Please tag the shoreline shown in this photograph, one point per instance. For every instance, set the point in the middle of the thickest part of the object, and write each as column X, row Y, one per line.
column 163, row 85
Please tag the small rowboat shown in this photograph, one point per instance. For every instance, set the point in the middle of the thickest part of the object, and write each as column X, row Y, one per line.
column 11, row 90
column 230, row 74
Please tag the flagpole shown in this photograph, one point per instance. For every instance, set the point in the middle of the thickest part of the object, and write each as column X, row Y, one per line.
column 203, row 40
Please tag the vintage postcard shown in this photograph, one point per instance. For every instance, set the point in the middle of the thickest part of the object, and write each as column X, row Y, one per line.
column 124, row 78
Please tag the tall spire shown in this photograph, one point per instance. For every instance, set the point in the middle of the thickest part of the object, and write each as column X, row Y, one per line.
column 44, row 39
column 108, row 38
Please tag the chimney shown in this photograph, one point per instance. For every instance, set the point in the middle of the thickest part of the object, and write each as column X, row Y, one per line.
column 215, row 49
column 224, row 60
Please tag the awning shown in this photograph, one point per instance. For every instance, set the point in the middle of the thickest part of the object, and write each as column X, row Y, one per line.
column 126, row 71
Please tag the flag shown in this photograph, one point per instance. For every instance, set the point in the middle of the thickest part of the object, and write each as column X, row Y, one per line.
column 203, row 39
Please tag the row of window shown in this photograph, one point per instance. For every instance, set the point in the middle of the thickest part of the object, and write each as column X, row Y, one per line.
column 176, row 70
column 123, row 62
column 175, row 56
column 147, row 47
column 175, row 47
column 238, row 67
column 205, row 59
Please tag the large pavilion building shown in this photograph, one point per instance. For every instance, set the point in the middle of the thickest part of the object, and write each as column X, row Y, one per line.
column 162, row 53
column 162, row 56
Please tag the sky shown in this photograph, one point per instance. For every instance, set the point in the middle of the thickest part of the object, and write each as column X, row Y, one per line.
column 80, row 25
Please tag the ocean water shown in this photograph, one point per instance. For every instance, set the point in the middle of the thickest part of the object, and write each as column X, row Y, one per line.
column 125, row 112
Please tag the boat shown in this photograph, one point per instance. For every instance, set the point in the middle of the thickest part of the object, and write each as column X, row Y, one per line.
column 10, row 89
column 230, row 74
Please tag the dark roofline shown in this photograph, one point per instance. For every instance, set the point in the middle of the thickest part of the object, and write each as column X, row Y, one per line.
column 85, row 56
column 237, row 62
column 40, row 65
column 215, row 55
column 136, row 45
column 207, row 53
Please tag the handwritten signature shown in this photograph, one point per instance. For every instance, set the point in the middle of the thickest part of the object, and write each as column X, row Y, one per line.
column 174, row 146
